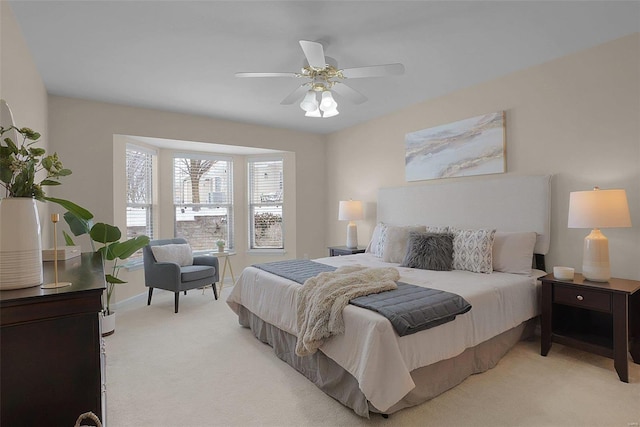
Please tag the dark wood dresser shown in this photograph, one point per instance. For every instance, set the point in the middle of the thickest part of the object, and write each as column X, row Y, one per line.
column 51, row 353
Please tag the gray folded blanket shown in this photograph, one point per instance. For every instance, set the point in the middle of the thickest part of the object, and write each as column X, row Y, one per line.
column 409, row 308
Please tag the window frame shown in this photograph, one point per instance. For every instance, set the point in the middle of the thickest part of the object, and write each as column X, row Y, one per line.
column 150, row 205
column 250, row 161
column 229, row 206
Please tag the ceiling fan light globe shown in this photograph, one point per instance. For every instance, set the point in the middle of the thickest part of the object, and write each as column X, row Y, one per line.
column 331, row 113
column 328, row 103
column 314, row 113
column 309, row 103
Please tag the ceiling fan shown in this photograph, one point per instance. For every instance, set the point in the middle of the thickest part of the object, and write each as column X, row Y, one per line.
column 323, row 76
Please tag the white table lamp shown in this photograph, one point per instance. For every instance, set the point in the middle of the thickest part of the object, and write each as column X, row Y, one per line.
column 351, row 210
column 598, row 209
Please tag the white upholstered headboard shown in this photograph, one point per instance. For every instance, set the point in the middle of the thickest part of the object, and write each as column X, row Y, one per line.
column 506, row 203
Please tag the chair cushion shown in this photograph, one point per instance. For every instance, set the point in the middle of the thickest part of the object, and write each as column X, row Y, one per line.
column 190, row 273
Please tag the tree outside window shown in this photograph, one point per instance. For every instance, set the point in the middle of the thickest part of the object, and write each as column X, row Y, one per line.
column 203, row 200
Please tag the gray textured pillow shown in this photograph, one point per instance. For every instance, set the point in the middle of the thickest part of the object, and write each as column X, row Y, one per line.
column 429, row 251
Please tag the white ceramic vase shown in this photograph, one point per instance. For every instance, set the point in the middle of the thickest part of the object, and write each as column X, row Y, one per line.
column 107, row 324
column 20, row 244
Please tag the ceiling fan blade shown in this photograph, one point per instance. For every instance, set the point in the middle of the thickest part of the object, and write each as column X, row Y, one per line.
column 295, row 95
column 314, row 52
column 373, row 71
column 266, row 75
column 348, row 92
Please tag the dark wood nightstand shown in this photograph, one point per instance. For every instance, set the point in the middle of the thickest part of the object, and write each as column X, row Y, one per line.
column 598, row 317
column 343, row 250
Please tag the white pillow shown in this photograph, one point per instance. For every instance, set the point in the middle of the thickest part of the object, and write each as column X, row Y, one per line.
column 473, row 250
column 180, row 254
column 513, row 252
column 372, row 247
column 395, row 243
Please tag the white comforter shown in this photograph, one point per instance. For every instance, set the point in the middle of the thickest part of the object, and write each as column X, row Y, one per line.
column 370, row 349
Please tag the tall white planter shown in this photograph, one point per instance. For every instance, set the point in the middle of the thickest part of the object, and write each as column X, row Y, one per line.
column 20, row 244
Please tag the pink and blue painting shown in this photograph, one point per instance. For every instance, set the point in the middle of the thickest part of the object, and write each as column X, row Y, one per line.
column 474, row 146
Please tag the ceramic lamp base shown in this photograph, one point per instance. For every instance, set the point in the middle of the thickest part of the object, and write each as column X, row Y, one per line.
column 352, row 235
column 595, row 257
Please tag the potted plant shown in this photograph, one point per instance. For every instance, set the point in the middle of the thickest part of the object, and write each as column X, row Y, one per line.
column 20, row 162
column 220, row 245
column 112, row 250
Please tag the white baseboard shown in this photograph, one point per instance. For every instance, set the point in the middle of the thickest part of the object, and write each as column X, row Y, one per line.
column 142, row 297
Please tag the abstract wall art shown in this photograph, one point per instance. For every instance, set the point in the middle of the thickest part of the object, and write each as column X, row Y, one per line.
column 474, row 146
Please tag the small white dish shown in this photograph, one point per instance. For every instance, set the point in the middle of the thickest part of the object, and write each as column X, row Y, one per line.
column 563, row 273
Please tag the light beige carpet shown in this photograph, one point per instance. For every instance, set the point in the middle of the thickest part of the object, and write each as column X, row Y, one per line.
column 200, row 368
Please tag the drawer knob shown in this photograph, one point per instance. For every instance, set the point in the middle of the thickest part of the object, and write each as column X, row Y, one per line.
column 580, row 297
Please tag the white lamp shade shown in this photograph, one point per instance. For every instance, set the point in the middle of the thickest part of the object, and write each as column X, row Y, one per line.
column 314, row 113
column 599, row 209
column 350, row 210
column 328, row 103
column 309, row 103
column 330, row 113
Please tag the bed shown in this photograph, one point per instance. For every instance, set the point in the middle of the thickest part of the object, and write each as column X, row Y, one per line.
column 370, row 368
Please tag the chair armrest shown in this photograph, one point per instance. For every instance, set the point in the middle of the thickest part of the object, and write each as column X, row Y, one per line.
column 206, row 260
column 163, row 274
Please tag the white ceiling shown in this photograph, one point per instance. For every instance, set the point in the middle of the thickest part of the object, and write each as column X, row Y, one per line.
column 181, row 55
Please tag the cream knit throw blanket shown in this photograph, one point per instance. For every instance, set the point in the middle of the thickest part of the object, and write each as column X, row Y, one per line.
column 322, row 298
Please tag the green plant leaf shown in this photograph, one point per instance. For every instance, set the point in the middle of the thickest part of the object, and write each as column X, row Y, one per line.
column 124, row 250
column 50, row 182
column 12, row 146
column 36, row 152
column 29, row 133
column 78, row 226
column 64, row 172
column 76, row 210
column 67, row 239
column 112, row 279
column 105, row 233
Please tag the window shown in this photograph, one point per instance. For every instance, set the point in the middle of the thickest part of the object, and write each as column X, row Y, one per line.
column 266, row 199
column 139, row 191
column 203, row 200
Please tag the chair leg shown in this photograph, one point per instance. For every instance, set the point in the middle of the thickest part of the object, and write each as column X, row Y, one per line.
column 150, row 293
column 215, row 291
column 177, row 298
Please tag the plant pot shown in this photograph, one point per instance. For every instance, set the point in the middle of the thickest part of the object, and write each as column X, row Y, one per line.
column 220, row 248
column 108, row 324
column 20, row 244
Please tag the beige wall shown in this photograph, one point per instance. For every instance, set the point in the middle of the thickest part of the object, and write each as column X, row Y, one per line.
column 23, row 89
column 577, row 118
column 82, row 132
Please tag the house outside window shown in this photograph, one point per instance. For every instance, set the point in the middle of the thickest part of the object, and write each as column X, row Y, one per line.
column 203, row 200
column 140, row 208
column 266, row 199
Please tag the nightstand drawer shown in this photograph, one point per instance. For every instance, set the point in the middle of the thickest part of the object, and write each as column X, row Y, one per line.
column 584, row 298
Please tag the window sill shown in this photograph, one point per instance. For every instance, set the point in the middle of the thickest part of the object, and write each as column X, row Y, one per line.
column 266, row 251
column 136, row 264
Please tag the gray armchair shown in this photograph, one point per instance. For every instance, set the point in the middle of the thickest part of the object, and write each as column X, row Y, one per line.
column 172, row 277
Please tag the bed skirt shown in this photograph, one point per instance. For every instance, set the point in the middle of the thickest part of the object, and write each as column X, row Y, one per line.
column 430, row 380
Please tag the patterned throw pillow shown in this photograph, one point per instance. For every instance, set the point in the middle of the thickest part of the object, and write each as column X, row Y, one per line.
column 429, row 251
column 472, row 250
column 378, row 245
